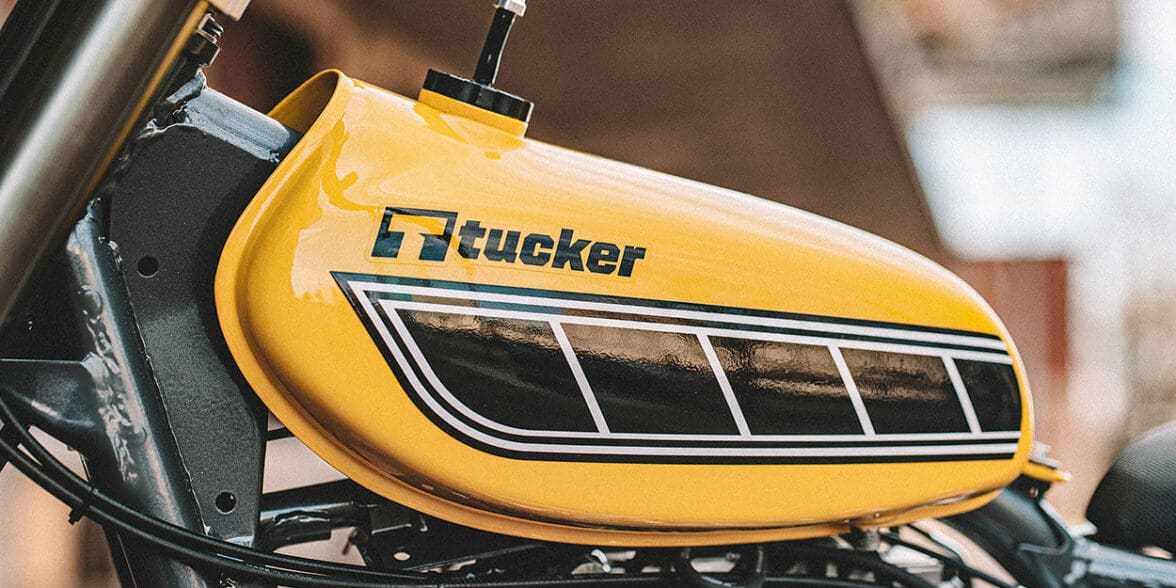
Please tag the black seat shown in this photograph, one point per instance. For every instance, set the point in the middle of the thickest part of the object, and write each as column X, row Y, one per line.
column 1135, row 503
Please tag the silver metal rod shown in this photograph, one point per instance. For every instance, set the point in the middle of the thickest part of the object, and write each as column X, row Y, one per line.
column 62, row 122
column 230, row 8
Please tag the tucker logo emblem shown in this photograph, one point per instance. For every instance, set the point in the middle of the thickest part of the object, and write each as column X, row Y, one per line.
column 477, row 241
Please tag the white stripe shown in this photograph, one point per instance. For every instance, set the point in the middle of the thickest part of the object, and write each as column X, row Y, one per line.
column 581, row 379
column 442, row 411
column 944, row 338
column 957, row 382
column 695, row 330
column 438, row 385
column 855, row 396
column 725, row 386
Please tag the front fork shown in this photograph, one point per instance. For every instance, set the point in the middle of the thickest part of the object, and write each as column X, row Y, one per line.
column 75, row 79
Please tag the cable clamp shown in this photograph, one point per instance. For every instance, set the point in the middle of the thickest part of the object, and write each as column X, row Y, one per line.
column 82, row 508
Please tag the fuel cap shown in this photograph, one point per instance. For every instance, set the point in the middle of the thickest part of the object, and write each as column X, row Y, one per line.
column 480, row 91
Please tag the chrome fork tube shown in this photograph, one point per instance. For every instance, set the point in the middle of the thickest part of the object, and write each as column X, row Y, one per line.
column 77, row 78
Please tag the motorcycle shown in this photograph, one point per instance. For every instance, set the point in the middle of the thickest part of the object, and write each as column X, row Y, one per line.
column 535, row 367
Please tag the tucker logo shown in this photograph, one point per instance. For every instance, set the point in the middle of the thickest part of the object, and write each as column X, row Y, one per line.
column 475, row 241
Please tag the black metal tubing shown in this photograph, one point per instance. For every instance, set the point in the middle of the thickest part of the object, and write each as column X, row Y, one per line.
column 170, row 218
column 163, row 204
column 310, row 513
column 58, row 397
column 74, row 79
column 344, row 501
column 86, row 500
column 950, row 562
column 1015, row 529
column 54, row 477
column 1034, row 545
column 140, row 461
column 144, row 426
column 102, row 396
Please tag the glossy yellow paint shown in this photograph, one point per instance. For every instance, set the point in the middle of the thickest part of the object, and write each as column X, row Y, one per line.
column 302, row 348
column 1046, row 473
column 446, row 104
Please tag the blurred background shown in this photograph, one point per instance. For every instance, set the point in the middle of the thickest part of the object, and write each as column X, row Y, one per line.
column 1025, row 144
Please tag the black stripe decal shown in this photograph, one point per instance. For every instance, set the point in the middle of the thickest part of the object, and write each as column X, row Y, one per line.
column 488, row 400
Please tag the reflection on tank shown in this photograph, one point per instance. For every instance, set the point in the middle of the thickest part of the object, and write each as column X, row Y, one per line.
column 785, row 388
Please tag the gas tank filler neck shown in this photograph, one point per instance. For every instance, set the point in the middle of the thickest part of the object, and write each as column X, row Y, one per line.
column 451, row 93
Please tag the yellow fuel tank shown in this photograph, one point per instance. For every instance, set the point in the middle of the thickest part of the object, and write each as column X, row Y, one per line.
column 533, row 341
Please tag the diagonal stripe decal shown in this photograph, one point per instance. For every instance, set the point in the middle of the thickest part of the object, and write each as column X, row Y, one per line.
column 536, row 374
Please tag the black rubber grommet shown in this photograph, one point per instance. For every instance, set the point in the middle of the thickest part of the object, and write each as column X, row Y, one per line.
column 475, row 94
